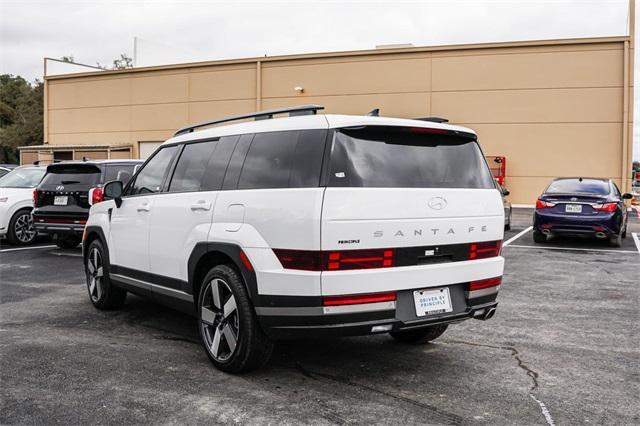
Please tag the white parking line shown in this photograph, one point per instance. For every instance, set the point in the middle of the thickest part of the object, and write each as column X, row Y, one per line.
column 572, row 249
column 515, row 237
column 26, row 248
column 636, row 239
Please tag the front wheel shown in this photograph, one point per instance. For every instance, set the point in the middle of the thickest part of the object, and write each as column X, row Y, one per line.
column 102, row 293
column 21, row 231
column 229, row 329
column 420, row 335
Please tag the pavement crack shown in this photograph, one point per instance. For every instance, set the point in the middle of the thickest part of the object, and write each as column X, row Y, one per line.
column 450, row 418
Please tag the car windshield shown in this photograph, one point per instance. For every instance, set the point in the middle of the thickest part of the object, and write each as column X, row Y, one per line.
column 582, row 186
column 22, row 178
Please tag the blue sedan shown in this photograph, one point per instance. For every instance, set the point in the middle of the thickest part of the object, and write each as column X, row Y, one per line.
column 586, row 207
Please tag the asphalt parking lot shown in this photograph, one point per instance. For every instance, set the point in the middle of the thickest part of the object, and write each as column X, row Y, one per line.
column 563, row 348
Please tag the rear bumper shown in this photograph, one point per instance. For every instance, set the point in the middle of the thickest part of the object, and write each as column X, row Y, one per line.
column 351, row 320
column 583, row 226
column 69, row 225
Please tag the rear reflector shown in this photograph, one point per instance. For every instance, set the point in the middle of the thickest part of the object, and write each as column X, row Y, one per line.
column 489, row 282
column 598, row 228
column 356, row 299
column 245, row 261
column 484, row 249
column 544, row 204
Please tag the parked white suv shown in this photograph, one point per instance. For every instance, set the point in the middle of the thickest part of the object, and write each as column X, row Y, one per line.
column 304, row 226
column 16, row 204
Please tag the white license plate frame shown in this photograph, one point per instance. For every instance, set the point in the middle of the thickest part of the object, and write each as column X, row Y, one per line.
column 573, row 208
column 432, row 301
column 60, row 200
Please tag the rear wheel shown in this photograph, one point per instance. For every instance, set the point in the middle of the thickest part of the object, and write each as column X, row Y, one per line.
column 102, row 293
column 539, row 237
column 421, row 335
column 229, row 329
column 507, row 227
column 68, row 242
column 21, row 231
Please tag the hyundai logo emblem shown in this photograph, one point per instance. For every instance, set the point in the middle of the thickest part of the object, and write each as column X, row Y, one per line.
column 437, row 203
column 59, row 188
column 574, row 198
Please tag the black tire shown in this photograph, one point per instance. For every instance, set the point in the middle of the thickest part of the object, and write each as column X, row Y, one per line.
column 616, row 240
column 539, row 237
column 241, row 344
column 507, row 227
column 102, row 293
column 420, row 335
column 68, row 242
column 624, row 231
column 21, row 231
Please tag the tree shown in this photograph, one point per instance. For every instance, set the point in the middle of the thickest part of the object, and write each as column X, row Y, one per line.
column 21, row 111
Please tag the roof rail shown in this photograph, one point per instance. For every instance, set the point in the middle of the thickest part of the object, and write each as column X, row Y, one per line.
column 433, row 119
column 260, row 115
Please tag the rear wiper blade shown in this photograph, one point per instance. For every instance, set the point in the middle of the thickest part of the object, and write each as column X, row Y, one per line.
column 69, row 182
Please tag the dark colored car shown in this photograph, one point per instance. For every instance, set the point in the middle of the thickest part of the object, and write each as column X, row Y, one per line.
column 62, row 200
column 586, row 207
column 506, row 204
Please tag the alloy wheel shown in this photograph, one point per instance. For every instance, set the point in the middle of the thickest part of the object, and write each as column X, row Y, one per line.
column 23, row 228
column 219, row 320
column 95, row 274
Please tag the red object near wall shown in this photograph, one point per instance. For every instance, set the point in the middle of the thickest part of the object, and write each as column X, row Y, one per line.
column 498, row 166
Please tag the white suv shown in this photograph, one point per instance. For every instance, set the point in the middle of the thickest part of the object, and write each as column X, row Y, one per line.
column 304, row 226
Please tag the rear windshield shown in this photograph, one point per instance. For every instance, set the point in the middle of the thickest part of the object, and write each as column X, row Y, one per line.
column 22, row 178
column 402, row 157
column 72, row 174
column 584, row 186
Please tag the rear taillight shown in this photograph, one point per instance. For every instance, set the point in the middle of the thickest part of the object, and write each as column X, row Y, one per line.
column 97, row 195
column 358, row 259
column 428, row 130
column 606, row 207
column 35, row 197
column 335, row 260
column 357, row 299
column 489, row 282
column 484, row 249
column 544, row 204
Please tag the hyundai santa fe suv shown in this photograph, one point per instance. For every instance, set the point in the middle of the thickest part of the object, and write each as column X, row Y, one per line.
column 311, row 225
column 67, row 191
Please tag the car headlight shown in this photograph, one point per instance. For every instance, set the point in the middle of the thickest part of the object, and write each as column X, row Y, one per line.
column 4, row 199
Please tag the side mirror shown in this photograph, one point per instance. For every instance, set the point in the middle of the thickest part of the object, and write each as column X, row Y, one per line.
column 505, row 192
column 113, row 191
column 627, row 196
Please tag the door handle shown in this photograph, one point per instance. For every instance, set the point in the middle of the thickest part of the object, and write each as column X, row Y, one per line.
column 144, row 207
column 201, row 205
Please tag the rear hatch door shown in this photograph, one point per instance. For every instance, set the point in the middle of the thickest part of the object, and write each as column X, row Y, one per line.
column 64, row 191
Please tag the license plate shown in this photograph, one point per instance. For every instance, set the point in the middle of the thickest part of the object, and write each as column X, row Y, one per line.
column 573, row 208
column 60, row 200
column 431, row 301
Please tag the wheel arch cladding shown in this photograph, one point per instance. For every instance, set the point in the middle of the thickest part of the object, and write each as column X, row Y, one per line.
column 94, row 233
column 207, row 255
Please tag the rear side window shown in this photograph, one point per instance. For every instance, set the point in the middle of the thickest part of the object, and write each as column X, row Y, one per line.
column 72, row 174
column 152, row 176
column 192, row 166
column 121, row 172
column 584, row 186
column 402, row 157
column 291, row 159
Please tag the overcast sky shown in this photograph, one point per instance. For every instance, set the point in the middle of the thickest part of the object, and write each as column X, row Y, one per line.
column 181, row 31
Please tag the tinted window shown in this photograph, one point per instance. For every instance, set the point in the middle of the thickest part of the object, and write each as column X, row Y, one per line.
column 121, row 172
column 69, row 174
column 235, row 164
column 218, row 163
column 307, row 161
column 585, row 186
column 153, row 174
column 269, row 160
column 399, row 157
column 22, row 178
column 191, row 166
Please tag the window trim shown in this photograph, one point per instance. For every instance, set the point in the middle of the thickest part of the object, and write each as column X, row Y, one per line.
column 179, row 156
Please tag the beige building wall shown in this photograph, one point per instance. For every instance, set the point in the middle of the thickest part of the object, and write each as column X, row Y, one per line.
column 553, row 108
